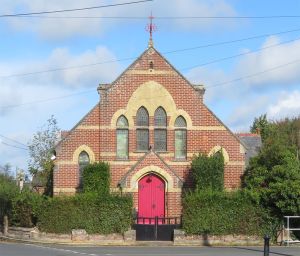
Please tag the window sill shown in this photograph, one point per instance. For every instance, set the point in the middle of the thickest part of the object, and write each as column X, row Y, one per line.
column 180, row 160
column 122, row 159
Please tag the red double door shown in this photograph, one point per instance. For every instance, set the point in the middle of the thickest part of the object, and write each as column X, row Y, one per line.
column 151, row 197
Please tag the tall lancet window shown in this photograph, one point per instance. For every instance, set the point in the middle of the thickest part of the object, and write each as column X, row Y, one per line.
column 160, row 130
column 142, row 129
column 180, row 138
column 122, row 138
column 83, row 161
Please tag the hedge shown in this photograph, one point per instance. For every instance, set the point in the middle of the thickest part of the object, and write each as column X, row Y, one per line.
column 208, row 171
column 223, row 213
column 96, row 178
column 104, row 215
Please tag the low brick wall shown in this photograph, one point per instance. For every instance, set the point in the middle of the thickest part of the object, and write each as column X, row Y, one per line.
column 180, row 238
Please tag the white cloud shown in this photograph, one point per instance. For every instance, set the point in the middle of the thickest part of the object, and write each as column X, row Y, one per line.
column 21, row 122
column 62, row 28
column 268, row 59
column 62, row 57
column 287, row 105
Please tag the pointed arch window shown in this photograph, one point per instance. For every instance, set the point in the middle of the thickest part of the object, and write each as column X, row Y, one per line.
column 160, row 130
column 180, row 138
column 122, row 138
column 142, row 130
column 83, row 161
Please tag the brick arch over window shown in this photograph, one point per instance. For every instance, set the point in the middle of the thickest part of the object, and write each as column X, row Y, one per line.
column 218, row 148
column 85, row 148
column 151, row 95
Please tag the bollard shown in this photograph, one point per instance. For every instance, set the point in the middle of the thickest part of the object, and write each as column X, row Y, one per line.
column 266, row 245
column 5, row 225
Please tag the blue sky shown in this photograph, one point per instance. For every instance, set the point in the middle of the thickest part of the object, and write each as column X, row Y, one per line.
column 36, row 44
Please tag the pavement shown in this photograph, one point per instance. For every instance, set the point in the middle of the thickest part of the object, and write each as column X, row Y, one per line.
column 26, row 249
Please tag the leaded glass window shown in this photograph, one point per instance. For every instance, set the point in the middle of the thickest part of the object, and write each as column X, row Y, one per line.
column 160, row 139
column 180, row 122
column 142, row 132
column 180, row 144
column 180, row 138
column 160, row 117
column 122, row 122
column 142, row 117
column 142, row 139
column 122, row 138
column 160, row 131
column 83, row 161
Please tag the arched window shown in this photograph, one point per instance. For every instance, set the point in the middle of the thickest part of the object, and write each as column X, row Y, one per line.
column 180, row 138
column 142, row 131
column 83, row 161
column 122, row 138
column 160, row 130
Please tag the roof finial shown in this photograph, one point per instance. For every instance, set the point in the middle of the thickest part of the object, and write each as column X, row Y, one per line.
column 150, row 28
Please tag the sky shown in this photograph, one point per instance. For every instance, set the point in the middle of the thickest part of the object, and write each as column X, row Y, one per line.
column 52, row 65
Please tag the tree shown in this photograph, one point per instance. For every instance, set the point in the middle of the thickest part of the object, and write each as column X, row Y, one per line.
column 273, row 176
column 262, row 126
column 41, row 149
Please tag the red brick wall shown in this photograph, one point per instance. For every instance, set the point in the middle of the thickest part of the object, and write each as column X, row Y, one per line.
column 102, row 141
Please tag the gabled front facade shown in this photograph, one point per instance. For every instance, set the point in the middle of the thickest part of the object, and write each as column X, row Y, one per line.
column 148, row 125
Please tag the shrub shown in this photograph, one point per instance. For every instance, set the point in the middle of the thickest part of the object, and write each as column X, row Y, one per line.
column 96, row 178
column 223, row 213
column 8, row 190
column 95, row 214
column 25, row 208
column 208, row 171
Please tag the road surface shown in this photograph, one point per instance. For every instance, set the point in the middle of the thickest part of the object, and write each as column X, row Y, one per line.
column 21, row 249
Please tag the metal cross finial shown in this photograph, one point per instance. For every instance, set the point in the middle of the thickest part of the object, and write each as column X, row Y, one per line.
column 151, row 28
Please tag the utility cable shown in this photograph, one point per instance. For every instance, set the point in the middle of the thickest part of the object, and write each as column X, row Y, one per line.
column 166, row 52
column 72, row 10
column 156, row 17
column 14, row 146
column 18, row 142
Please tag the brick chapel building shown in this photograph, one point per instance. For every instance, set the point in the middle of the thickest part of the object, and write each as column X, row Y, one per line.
column 148, row 124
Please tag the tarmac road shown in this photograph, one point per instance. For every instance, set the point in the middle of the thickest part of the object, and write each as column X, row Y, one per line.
column 22, row 249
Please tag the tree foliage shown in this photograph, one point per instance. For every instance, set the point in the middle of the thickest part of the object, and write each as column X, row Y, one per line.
column 208, row 171
column 41, row 147
column 273, row 177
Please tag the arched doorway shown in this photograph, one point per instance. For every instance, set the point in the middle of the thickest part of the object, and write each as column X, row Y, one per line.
column 151, row 196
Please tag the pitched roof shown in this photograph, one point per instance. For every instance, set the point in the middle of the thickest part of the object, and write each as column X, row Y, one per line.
column 253, row 143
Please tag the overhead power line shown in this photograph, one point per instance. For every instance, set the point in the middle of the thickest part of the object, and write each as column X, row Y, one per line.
column 46, row 100
column 156, row 17
column 211, row 86
column 241, row 54
column 72, row 10
column 13, row 146
column 166, row 52
column 18, row 142
column 254, row 74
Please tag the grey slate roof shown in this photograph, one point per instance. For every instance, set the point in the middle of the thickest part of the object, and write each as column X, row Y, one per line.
column 253, row 144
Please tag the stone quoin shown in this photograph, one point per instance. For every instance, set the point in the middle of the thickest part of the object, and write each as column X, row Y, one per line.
column 148, row 124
